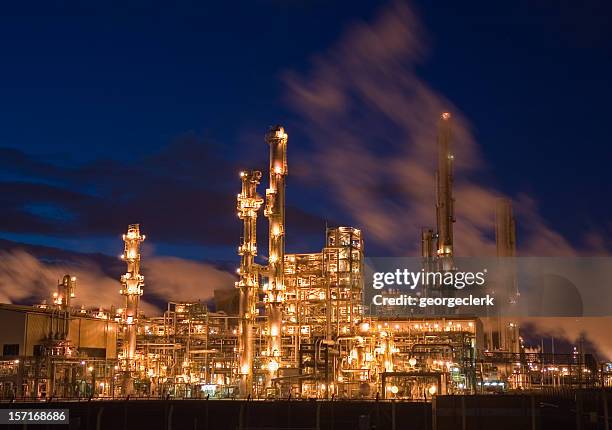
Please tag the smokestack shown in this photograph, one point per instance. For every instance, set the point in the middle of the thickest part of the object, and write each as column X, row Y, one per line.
column 132, row 283
column 249, row 203
column 445, row 202
column 505, row 228
column 276, row 138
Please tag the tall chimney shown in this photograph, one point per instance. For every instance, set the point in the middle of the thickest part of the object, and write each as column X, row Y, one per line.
column 445, row 202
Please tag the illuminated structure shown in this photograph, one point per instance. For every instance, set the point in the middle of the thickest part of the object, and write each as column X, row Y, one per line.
column 132, row 282
column 437, row 247
column 445, row 211
column 249, row 203
column 65, row 292
column 300, row 328
column 51, row 351
column 324, row 304
column 502, row 334
column 275, row 212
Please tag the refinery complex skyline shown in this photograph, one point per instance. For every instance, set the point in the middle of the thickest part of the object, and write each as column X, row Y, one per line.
column 339, row 205
column 299, row 325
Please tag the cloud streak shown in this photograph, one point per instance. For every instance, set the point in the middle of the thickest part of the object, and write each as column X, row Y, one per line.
column 25, row 278
column 372, row 122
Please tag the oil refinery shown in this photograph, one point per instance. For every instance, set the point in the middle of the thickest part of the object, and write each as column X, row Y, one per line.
column 296, row 327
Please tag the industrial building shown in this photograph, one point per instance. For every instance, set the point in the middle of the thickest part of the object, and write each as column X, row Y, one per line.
column 54, row 351
column 298, row 327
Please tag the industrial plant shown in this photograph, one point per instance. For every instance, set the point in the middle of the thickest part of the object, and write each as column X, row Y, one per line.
column 295, row 325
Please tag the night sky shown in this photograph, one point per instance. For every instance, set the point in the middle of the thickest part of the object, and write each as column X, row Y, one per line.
column 146, row 113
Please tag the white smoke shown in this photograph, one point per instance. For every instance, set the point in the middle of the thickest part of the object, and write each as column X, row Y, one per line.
column 24, row 278
column 184, row 280
column 593, row 329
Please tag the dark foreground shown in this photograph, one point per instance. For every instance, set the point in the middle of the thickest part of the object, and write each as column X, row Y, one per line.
column 583, row 410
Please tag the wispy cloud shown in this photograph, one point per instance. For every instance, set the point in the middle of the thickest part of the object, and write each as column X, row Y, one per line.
column 372, row 121
column 25, row 278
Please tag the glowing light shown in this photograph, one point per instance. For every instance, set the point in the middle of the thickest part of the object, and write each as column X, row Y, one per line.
column 412, row 361
column 432, row 389
column 394, row 389
column 273, row 366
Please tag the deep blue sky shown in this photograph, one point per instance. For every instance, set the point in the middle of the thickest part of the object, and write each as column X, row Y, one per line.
column 86, row 87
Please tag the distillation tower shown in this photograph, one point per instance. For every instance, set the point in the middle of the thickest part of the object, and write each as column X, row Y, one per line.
column 275, row 212
column 249, row 203
column 132, row 282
